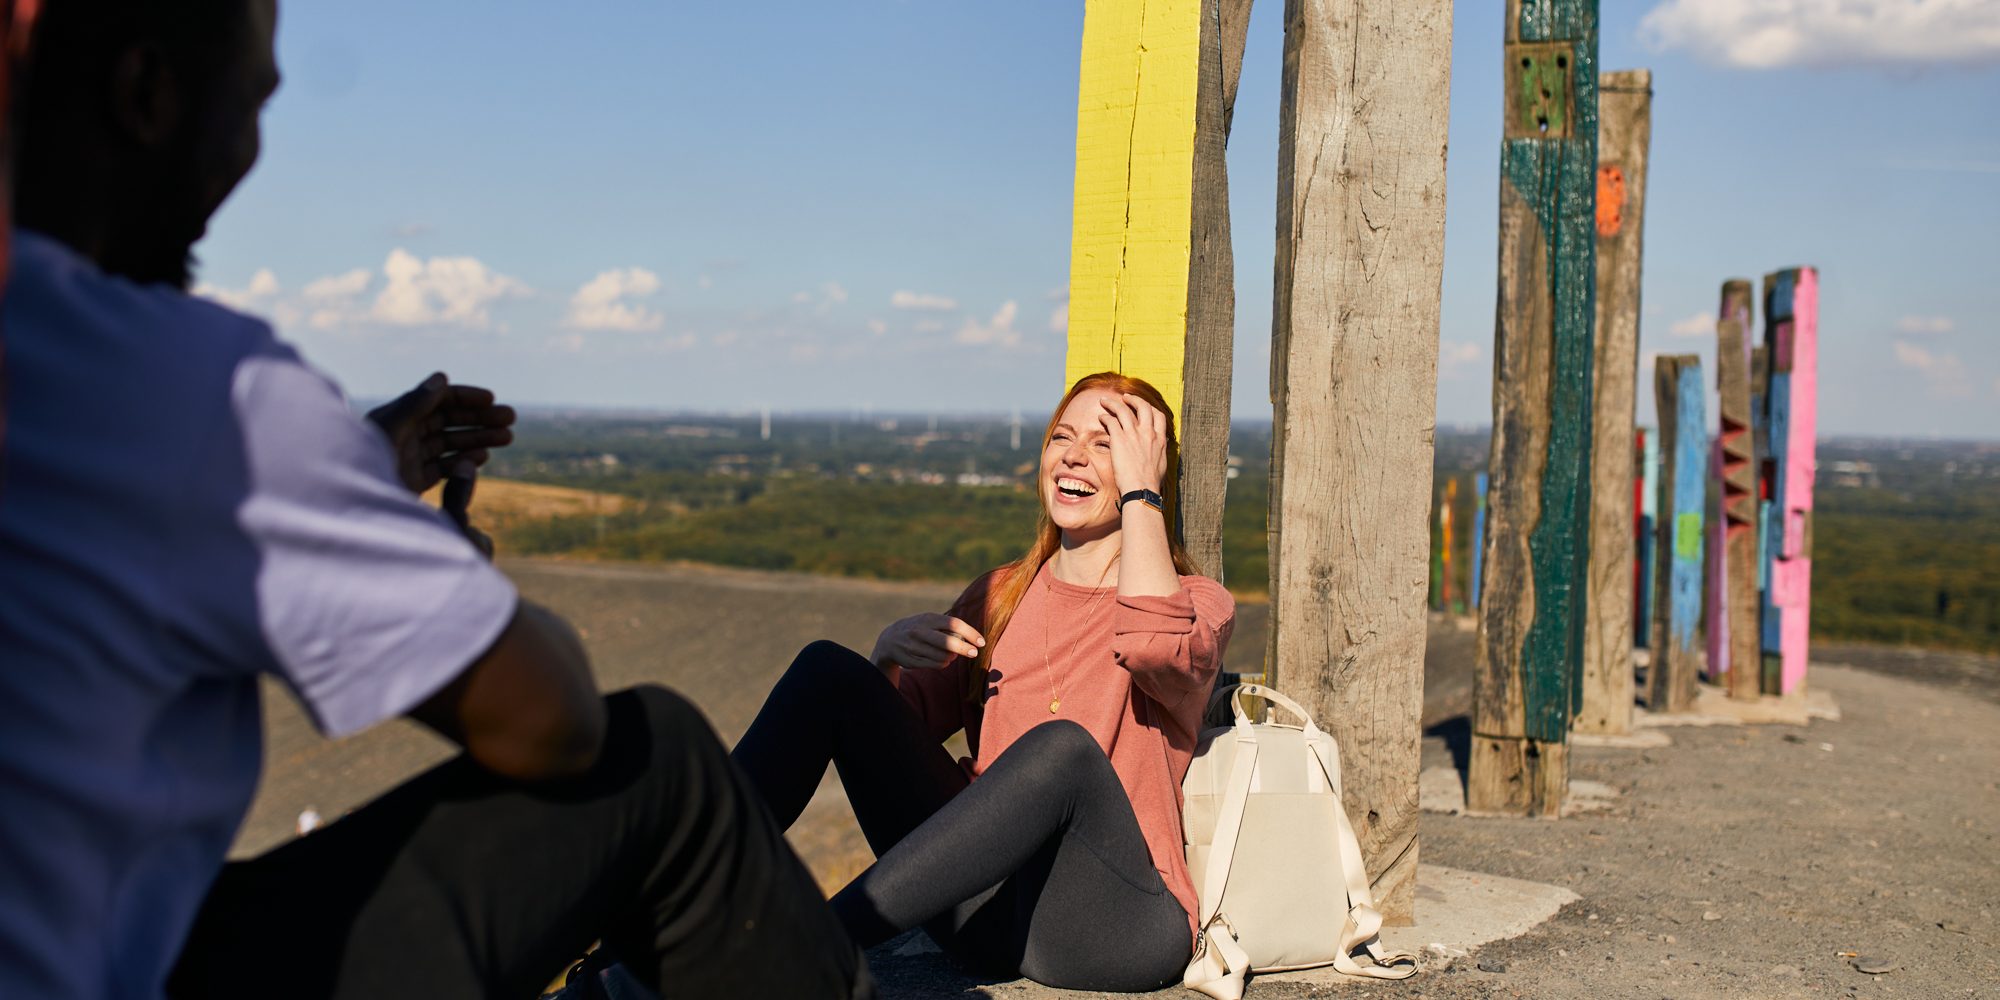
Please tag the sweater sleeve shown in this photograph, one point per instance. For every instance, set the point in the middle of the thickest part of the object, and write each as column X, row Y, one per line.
column 1173, row 645
column 940, row 696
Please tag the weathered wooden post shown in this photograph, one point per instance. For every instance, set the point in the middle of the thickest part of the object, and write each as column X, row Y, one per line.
column 1445, row 514
column 1152, row 280
column 1649, row 512
column 1732, row 591
column 1436, row 593
column 1361, row 158
column 1791, row 343
column 1529, row 648
column 1478, row 545
column 1624, row 129
column 1683, row 451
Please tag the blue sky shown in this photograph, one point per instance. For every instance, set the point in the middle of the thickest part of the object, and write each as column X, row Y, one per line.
column 866, row 205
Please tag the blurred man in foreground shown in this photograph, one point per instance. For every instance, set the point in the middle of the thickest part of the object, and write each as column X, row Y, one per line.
column 188, row 507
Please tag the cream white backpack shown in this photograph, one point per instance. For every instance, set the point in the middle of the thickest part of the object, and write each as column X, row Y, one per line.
column 1273, row 858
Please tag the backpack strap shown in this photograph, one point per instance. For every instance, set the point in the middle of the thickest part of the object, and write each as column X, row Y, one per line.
column 1364, row 923
column 1219, row 962
column 1229, row 822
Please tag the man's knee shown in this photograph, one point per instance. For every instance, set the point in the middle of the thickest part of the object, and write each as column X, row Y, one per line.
column 661, row 705
column 659, row 720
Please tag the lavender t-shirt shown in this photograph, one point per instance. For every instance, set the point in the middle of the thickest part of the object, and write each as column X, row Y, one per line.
column 184, row 505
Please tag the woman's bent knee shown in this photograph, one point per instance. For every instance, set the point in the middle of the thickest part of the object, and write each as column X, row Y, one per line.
column 825, row 664
column 1060, row 747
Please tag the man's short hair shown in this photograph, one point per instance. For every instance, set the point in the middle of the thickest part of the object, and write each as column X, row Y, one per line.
column 75, row 42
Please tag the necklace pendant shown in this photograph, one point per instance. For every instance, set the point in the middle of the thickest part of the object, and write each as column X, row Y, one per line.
column 1054, row 703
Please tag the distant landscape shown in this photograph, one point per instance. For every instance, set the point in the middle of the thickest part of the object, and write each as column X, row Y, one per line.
column 1906, row 536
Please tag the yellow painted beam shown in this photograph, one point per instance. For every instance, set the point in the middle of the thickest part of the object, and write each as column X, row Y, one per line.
column 1135, row 128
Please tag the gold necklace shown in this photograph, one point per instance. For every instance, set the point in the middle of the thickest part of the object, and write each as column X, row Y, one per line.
column 1055, row 690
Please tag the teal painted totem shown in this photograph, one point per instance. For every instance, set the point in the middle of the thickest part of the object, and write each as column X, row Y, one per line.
column 1530, row 646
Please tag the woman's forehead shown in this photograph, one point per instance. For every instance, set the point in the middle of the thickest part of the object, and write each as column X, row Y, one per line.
column 1082, row 408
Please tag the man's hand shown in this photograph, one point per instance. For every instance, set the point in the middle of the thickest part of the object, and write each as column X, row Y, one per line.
column 438, row 426
column 457, row 503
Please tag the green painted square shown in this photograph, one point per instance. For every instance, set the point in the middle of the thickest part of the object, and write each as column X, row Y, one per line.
column 1687, row 536
column 1541, row 89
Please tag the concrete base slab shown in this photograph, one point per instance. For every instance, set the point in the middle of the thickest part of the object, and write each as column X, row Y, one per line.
column 1457, row 912
column 1714, row 708
column 1589, row 797
column 1638, row 739
column 1650, row 720
column 1442, row 790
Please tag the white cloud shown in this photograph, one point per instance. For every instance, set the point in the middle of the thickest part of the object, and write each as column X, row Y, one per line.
column 1918, row 326
column 704, row 282
column 877, row 327
column 257, row 295
column 998, row 331
column 1767, row 34
column 1700, row 324
column 1059, row 319
column 1945, row 373
column 602, row 303
column 338, row 286
column 333, row 302
column 922, row 300
column 1454, row 353
column 828, row 295
column 441, row 291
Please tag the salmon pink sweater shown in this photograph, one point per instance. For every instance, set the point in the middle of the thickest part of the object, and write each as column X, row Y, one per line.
column 1135, row 672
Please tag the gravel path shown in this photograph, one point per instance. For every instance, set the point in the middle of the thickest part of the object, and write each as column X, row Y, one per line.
column 1739, row 862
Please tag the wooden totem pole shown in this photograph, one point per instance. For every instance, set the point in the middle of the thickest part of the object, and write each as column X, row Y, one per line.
column 1683, row 454
column 1354, row 345
column 1732, row 558
column 1791, row 400
column 1649, row 518
column 1152, row 280
column 1625, row 104
column 1529, row 648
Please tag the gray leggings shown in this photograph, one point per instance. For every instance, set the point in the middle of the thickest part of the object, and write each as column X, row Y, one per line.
column 1037, row 869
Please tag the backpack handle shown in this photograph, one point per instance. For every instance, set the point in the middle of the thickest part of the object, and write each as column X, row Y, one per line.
column 1260, row 691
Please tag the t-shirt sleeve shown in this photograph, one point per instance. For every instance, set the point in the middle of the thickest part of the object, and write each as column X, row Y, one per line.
column 1173, row 645
column 369, row 599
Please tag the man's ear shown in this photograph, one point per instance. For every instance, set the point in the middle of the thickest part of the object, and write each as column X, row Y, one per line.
column 146, row 97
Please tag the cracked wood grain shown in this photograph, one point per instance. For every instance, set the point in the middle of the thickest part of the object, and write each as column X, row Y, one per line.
column 1354, row 380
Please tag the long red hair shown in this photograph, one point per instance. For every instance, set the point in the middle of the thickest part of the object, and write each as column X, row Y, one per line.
column 1010, row 583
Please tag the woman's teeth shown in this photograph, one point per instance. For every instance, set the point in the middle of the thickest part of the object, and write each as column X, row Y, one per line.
column 1075, row 487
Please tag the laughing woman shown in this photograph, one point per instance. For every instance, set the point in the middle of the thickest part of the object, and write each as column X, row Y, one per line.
column 1079, row 674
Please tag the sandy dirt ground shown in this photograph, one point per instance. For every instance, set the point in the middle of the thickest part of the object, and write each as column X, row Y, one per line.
column 1738, row 862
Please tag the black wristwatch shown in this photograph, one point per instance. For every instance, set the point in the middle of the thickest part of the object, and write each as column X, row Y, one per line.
column 1147, row 497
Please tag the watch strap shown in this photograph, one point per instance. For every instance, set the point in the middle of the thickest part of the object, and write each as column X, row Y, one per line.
column 1148, row 497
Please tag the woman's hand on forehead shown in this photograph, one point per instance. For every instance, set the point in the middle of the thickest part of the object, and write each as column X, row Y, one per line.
column 1138, row 433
